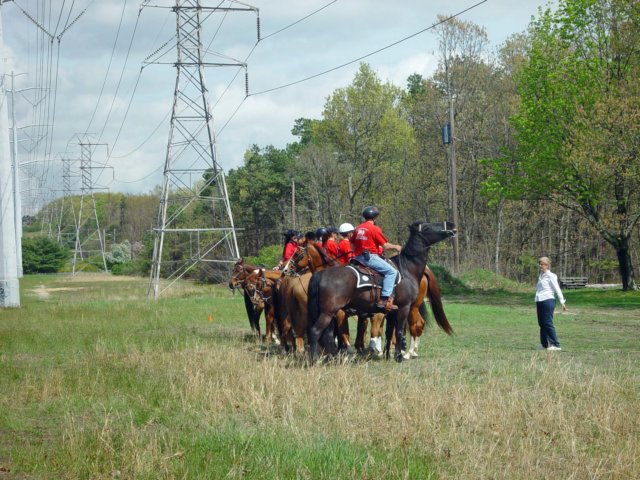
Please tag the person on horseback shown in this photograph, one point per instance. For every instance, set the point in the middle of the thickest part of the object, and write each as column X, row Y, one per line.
column 290, row 246
column 345, row 248
column 367, row 241
column 320, row 233
column 330, row 244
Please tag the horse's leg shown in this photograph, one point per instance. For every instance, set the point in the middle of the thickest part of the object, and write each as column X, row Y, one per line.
column 375, row 343
column 328, row 340
column 363, row 321
column 401, row 323
column 416, row 327
column 389, row 332
column 344, row 341
column 256, row 321
column 316, row 331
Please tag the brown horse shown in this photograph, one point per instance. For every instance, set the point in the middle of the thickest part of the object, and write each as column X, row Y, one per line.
column 336, row 288
column 256, row 300
column 290, row 301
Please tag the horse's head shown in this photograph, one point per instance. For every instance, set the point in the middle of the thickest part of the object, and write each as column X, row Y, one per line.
column 425, row 234
column 239, row 274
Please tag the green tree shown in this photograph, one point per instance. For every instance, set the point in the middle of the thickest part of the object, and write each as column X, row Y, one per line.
column 260, row 195
column 42, row 255
column 364, row 124
column 577, row 130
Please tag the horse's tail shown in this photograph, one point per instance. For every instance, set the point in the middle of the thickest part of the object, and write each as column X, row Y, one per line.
column 433, row 292
column 313, row 302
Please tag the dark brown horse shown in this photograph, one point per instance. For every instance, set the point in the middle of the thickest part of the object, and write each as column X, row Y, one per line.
column 336, row 288
column 290, row 300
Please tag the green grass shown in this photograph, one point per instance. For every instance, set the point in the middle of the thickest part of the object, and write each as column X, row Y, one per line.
column 99, row 382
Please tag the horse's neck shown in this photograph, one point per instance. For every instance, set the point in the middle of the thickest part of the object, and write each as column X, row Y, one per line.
column 318, row 260
column 413, row 265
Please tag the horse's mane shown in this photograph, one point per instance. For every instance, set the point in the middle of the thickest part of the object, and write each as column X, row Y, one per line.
column 326, row 259
column 414, row 250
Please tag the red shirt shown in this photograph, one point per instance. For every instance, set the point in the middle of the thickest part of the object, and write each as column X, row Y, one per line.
column 331, row 248
column 368, row 236
column 345, row 251
column 289, row 250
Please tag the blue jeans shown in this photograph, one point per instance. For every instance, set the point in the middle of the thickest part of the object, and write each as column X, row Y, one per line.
column 379, row 265
column 545, row 309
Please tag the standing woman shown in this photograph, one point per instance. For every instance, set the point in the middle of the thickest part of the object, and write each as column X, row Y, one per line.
column 547, row 290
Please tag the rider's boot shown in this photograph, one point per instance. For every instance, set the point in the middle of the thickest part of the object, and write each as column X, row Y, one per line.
column 386, row 304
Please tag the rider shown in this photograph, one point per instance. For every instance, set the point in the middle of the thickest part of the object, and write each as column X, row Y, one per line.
column 345, row 249
column 290, row 246
column 320, row 233
column 366, row 244
column 330, row 244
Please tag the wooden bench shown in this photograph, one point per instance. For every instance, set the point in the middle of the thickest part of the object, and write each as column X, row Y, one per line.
column 573, row 282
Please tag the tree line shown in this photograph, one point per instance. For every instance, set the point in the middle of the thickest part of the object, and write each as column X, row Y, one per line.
column 546, row 141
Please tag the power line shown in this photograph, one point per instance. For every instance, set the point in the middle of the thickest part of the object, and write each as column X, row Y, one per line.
column 369, row 54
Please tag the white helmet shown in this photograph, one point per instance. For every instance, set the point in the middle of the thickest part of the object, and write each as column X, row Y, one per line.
column 345, row 228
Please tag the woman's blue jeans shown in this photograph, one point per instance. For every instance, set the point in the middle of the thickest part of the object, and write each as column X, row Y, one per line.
column 545, row 309
column 379, row 265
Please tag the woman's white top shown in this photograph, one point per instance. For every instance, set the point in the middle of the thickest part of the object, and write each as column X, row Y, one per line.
column 548, row 287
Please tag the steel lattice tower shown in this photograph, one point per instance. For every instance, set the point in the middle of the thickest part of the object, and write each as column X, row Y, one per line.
column 194, row 185
column 88, row 238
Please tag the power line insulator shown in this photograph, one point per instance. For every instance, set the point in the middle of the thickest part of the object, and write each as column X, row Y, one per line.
column 258, row 26
column 246, row 83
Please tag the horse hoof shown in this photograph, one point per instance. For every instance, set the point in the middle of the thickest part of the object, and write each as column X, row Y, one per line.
column 406, row 356
column 399, row 358
column 413, row 354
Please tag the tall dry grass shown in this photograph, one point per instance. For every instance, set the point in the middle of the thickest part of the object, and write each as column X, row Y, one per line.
column 152, row 390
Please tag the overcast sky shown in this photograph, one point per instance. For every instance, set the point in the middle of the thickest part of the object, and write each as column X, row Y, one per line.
column 93, row 57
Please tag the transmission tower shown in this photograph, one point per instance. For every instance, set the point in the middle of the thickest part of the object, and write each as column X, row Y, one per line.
column 89, row 240
column 194, row 185
column 65, row 236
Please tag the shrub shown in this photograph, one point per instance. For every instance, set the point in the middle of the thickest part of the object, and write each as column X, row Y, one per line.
column 42, row 255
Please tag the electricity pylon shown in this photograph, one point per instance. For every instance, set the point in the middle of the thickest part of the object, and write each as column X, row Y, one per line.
column 88, row 238
column 194, row 186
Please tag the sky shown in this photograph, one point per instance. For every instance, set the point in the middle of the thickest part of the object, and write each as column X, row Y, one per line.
column 110, row 74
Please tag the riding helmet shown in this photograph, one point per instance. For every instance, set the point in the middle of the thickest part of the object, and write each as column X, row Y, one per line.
column 320, row 232
column 346, row 228
column 370, row 212
column 289, row 234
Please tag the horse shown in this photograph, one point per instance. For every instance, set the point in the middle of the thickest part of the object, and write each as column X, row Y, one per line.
column 290, row 299
column 336, row 288
column 417, row 317
column 245, row 276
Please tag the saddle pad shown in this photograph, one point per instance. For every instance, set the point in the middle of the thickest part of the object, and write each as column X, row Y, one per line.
column 366, row 280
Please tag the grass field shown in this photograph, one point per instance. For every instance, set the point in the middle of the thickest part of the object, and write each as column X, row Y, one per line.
column 96, row 382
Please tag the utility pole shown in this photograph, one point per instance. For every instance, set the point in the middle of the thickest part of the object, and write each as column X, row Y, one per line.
column 9, row 283
column 453, row 182
column 293, row 202
column 192, row 176
column 17, row 202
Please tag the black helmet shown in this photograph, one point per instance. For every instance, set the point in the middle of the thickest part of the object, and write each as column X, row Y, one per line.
column 332, row 230
column 320, row 232
column 289, row 234
column 370, row 212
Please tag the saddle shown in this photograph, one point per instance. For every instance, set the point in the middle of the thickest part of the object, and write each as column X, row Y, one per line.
column 367, row 277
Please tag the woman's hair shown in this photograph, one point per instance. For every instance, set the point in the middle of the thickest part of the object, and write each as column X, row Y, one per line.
column 545, row 260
